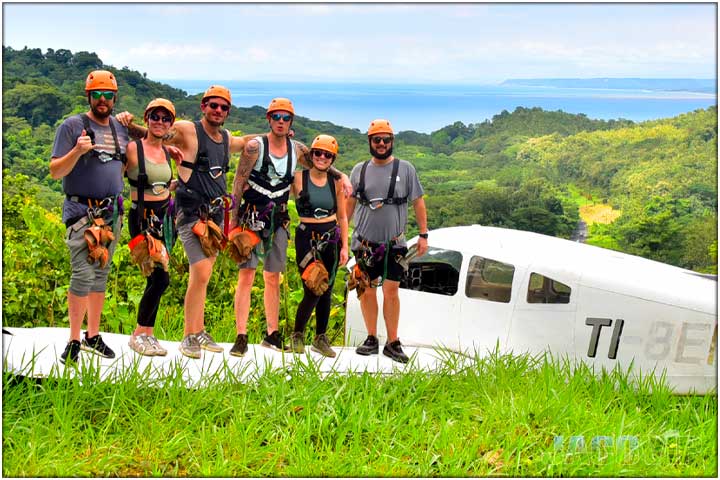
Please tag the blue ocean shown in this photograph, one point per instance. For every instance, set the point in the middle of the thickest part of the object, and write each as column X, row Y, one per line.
column 427, row 108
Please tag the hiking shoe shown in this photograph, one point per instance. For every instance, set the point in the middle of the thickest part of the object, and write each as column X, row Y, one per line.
column 321, row 345
column 274, row 342
column 394, row 351
column 240, row 348
column 141, row 344
column 72, row 350
column 159, row 350
column 297, row 343
column 207, row 342
column 97, row 346
column 190, row 347
column 370, row 346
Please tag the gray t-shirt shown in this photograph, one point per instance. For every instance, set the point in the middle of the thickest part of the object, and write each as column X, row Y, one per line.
column 385, row 223
column 93, row 176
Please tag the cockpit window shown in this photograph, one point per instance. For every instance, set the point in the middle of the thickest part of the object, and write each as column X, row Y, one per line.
column 489, row 280
column 542, row 289
column 438, row 271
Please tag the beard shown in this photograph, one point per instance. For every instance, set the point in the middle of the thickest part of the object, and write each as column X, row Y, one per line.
column 101, row 115
column 380, row 156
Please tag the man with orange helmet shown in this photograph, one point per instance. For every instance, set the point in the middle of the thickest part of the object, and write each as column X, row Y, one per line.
column 263, row 181
column 89, row 155
column 202, row 203
column 382, row 188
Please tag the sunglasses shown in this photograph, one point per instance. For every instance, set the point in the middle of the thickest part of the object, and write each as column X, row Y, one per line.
column 96, row 94
column 277, row 117
column 385, row 140
column 320, row 153
column 214, row 106
column 156, row 118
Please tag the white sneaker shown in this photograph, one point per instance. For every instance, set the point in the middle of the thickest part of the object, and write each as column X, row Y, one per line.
column 157, row 347
column 141, row 344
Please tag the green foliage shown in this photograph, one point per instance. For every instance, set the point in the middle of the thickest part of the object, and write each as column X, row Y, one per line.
column 525, row 169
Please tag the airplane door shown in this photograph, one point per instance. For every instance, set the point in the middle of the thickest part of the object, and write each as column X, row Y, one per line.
column 488, row 297
column 544, row 314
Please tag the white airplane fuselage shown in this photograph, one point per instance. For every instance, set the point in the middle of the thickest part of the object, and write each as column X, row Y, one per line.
column 479, row 288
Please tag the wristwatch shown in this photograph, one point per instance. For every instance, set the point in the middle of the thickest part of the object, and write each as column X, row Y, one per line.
column 423, row 235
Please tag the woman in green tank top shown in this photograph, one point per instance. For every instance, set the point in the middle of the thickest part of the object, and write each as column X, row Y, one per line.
column 321, row 242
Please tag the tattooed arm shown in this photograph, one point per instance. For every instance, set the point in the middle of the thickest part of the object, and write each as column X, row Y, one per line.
column 248, row 158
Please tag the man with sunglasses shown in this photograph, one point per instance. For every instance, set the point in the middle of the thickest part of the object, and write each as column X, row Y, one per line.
column 89, row 155
column 382, row 188
column 263, row 181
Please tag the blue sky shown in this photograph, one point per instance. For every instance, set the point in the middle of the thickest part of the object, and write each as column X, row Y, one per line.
column 398, row 43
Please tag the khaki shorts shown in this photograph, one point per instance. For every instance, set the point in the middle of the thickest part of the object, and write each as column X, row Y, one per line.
column 86, row 278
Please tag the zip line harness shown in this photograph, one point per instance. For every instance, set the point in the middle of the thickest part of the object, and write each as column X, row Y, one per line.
column 315, row 275
column 147, row 250
column 390, row 199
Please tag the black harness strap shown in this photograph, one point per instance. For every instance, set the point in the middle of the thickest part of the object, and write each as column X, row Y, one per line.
column 266, row 159
column 391, row 199
column 91, row 133
column 202, row 163
column 142, row 180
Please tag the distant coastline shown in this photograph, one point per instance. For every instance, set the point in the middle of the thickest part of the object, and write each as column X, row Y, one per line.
column 697, row 85
column 427, row 108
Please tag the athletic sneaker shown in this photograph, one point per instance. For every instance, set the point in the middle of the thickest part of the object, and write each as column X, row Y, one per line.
column 97, row 346
column 321, row 345
column 190, row 347
column 72, row 350
column 370, row 346
column 274, row 341
column 159, row 350
column 207, row 342
column 297, row 343
column 394, row 351
column 240, row 348
column 141, row 344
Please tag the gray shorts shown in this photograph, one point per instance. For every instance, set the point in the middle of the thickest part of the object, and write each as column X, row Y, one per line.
column 190, row 241
column 86, row 278
column 276, row 258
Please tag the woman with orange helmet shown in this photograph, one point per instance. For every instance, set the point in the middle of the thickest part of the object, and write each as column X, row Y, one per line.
column 321, row 242
column 149, row 172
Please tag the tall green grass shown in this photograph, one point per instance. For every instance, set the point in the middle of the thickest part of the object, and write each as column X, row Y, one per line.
column 500, row 416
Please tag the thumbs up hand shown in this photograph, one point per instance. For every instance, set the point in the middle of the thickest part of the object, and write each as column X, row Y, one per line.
column 84, row 143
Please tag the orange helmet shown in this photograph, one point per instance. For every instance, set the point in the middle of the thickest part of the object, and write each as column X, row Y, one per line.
column 101, row 80
column 217, row 91
column 157, row 103
column 379, row 126
column 325, row 142
column 280, row 104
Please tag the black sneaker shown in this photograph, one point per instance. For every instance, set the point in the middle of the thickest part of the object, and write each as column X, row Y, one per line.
column 394, row 351
column 72, row 350
column 275, row 342
column 96, row 345
column 240, row 348
column 370, row 346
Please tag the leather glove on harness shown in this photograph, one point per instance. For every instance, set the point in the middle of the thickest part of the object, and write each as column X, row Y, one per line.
column 211, row 237
column 316, row 277
column 98, row 236
column 147, row 252
column 358, row 279
column 241, row 243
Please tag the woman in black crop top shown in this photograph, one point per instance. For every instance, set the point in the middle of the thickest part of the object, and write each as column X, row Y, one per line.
column 322, row 235
column 152, row 195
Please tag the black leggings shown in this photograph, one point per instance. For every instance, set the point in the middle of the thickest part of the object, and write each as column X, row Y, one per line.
column 159, row 279
column 329, row 257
